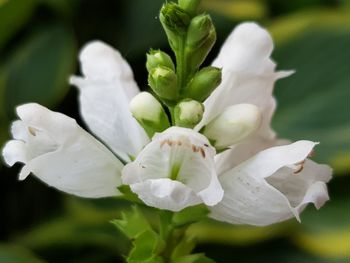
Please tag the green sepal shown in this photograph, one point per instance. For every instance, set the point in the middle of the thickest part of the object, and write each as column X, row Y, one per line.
column 191, row 6
column 156, row 58
column 128, row 194
column 194, row 258
column 133, row 223
column 146, row 248
column 163, row 82
column 203, row 83
column 190, row 215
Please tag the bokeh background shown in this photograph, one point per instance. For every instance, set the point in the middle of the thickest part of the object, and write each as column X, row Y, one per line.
column 39, row 43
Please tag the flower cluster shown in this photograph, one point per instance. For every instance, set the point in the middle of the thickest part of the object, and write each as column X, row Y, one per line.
column 220, row 151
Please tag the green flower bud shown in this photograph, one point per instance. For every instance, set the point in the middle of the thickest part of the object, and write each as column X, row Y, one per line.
column 232, row 126
column 163, row 82
column 147, row 110
column 200, row 40
column 191, row 6
column 188, row 113
column 157, row 58
column 175, row 22
column 203, row 83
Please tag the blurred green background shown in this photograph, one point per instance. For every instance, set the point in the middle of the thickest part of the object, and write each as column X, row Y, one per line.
column 39, row 43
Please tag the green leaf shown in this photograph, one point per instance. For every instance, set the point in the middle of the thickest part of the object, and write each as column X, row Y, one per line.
column 195, row 258
column 190, row 215
column 39, row 68
column 133, row 223
column 13, row 15
column 147, row 245
column 314, row 102
column 15, row 254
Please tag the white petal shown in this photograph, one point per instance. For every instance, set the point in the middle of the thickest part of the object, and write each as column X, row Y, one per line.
column 166, row 194
column 268, row 189
column 62, row 154
column 105, row 94
column 248, row 75
column 14, row 151
column 179, row 154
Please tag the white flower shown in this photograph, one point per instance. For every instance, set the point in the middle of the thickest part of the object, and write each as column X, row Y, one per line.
column 262, row 185
column 258, row 180
column 174, row 171
column 59, row 152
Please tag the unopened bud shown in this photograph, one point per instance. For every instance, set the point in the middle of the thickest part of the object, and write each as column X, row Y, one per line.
column 147, row 110
column 191, row 6
column 157, row 58
column 200, row 40
column 188, row 113
column 235, row 124
column 163, row 82
column 175, row 22
column 203, row 83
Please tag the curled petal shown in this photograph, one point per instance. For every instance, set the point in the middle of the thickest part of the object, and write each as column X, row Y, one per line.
column 273, row 186
column 182, row 161
column 248, row 76
column 105, row 93
column 56, row 150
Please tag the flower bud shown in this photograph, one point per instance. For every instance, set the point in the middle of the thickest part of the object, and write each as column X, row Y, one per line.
column 203, row 83
column 147, row 110
column 188, row 113
column 163, row 82
column 175, row 22
column 191, row 6
column 157, row 58
column 200, row 39
column 235, row 124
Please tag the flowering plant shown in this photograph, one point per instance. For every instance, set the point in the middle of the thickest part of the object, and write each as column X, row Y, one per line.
column 199, row 145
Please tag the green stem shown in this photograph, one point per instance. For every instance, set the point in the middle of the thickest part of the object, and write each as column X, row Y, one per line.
column 181, row 64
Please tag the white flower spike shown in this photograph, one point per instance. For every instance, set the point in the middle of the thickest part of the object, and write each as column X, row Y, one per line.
column 174, row 171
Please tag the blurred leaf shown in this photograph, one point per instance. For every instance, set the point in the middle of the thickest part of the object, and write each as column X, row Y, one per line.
column 39, row 69
column 210, row 231
column 15, row 254
column 63, row 7
column 238, row 9
column 327, row 232
column 313, row 103
column 13, row 15
column 195, row 258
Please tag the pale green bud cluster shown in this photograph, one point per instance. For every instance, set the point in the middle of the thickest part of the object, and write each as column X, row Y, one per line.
column 181, row 86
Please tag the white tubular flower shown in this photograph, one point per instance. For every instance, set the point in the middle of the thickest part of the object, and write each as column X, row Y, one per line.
column 105, row 93
column 273, row 186
column 175, row 170
column 235, row 124
column 248, row 76
column 60, row 153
